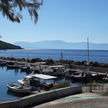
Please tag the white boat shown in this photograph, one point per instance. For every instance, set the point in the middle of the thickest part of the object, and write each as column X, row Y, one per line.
column 34, row 80
column 19, row 88
column 27, row 67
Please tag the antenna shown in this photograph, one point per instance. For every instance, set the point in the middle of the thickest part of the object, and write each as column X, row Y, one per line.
column 88, row 49
column 61, row 55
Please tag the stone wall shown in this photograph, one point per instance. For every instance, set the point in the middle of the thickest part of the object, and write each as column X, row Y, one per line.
column 40, row 98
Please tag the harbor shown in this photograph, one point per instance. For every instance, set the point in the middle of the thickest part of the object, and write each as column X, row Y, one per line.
column 59, row 61
column 13, row 76
column 29, row 78
column 19, row 68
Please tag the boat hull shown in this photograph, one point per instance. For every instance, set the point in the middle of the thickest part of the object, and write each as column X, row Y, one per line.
column 19, row 89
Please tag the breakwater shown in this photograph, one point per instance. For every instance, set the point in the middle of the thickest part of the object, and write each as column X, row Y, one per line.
column 15, row 74
column 93, row 66
column 37, row 99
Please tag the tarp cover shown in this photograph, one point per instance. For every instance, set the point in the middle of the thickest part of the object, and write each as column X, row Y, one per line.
column 41, row 76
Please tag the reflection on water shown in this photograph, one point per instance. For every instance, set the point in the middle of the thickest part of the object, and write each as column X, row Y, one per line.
column 8, row 76
column 15, row 94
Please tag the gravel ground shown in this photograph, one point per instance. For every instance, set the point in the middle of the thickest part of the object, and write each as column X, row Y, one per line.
column 84, row 100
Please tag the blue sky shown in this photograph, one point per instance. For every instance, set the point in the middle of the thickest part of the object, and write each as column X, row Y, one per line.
column 67, row 20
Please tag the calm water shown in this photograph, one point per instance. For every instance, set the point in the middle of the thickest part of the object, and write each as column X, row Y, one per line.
column 9, row 76
column 77, row 55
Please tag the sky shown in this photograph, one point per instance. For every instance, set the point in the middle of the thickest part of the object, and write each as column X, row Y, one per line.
column 67, row 20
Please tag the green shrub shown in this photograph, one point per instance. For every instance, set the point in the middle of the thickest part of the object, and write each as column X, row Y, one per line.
column 61, row 85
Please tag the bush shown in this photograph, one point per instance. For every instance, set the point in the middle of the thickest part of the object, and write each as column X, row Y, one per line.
column 49, row 61
column 61, row 85
column 95, row 64
column 35, row 60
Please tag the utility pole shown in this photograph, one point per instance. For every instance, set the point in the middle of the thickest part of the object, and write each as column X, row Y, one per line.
column 88, row 50
column 61, row 57
column 88, row 55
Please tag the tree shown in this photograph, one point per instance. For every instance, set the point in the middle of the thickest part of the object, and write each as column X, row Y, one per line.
column 12, row 9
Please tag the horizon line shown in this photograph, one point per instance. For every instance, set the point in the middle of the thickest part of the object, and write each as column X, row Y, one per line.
column 61, row 41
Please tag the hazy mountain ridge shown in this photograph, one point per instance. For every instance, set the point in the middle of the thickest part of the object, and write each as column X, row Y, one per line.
column 58, row 44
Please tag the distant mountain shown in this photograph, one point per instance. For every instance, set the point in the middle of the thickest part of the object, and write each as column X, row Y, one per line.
column 57, row 44
column 5, row 45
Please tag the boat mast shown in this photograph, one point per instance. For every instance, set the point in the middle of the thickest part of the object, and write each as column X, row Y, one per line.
column 88, row 50
column 88, row 55
column 61, row 57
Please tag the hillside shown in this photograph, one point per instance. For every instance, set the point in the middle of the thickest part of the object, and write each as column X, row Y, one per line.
column 5, row 45
column 57, row 44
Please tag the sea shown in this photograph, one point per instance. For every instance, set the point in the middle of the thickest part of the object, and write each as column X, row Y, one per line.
column 11, row 75
column 55, row 54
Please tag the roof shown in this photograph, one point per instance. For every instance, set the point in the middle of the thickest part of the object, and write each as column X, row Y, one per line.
column 21, row 81
column 57, row 66
column 41, row 76
column 29, row 76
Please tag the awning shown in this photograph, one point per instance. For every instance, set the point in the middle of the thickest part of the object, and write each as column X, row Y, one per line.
column 21, row 81
column 41, row 76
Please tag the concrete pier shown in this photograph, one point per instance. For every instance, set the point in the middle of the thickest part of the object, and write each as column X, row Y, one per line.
column 40, row 98
column 84, row 100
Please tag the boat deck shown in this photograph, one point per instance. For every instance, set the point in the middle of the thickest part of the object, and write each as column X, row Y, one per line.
column 37, row 91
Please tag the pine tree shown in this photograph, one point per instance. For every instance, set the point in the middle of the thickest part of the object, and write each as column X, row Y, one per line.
column 12, row 9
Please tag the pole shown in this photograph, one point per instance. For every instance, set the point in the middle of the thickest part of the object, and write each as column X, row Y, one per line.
column 61, row 57
column 88, row 49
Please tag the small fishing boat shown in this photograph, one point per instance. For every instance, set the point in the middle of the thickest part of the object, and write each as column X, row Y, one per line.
column 82, row 76
column 58, row 70
column 85, row 75
column 26, row 68
column 34, row 81
column 19, row 88
column 3, row 63
column 13, row 66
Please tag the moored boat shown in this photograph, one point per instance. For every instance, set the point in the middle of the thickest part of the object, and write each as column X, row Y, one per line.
column 27, row 67
column 83, row 77
column 34, row 81
column 105, row 79
column 13, row 66
column 19, row 88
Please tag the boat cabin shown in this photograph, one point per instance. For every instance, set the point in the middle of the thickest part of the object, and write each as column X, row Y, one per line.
column 34, row 80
